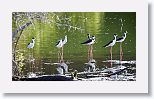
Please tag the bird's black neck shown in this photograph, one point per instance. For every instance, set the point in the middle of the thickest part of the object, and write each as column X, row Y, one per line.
column 32, row 41
column 125, row 35
column 89, row 36
column 114, row 38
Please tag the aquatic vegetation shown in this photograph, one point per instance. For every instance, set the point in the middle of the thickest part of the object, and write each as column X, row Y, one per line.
column 20, row 62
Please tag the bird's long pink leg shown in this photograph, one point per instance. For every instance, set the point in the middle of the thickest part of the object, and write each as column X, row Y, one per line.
column 121, row 53
column 31, row 61
column 88, row 52
column 62, row 55
column 91, row 51
column 58, row 55
column 111, row 52
column 111, row 55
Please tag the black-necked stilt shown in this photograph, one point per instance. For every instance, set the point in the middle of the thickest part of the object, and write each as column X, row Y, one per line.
column 111, row 44
column 90, row 42
column 121, row 39
column 60, row 44
column 31, row 46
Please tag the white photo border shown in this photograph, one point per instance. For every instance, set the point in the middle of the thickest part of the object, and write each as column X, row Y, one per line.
column 138, row 86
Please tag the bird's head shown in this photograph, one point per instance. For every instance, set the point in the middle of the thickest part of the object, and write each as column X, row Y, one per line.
column 93, row 37
column 33, row 38
column 115, row 35
column 125, row 32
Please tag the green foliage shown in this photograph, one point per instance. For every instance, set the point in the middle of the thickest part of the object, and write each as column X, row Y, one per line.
column 20, row 61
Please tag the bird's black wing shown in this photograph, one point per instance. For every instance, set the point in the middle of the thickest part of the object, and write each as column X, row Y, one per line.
column 120, row 38
column 28, row 44
column 107, row 44
column 88, row 41
column 57, row 43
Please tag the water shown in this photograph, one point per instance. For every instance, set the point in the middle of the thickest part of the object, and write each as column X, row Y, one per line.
column 49, row 27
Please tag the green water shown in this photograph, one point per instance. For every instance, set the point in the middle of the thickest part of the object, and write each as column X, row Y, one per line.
column 48, row 28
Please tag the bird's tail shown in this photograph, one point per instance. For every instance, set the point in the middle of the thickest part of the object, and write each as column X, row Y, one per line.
column 105, row 46
column 83, row 43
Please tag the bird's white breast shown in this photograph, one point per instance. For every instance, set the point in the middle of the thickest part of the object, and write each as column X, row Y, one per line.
column 31, row 45
column 113, row 43
column 92, row 42
column 60, row 44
